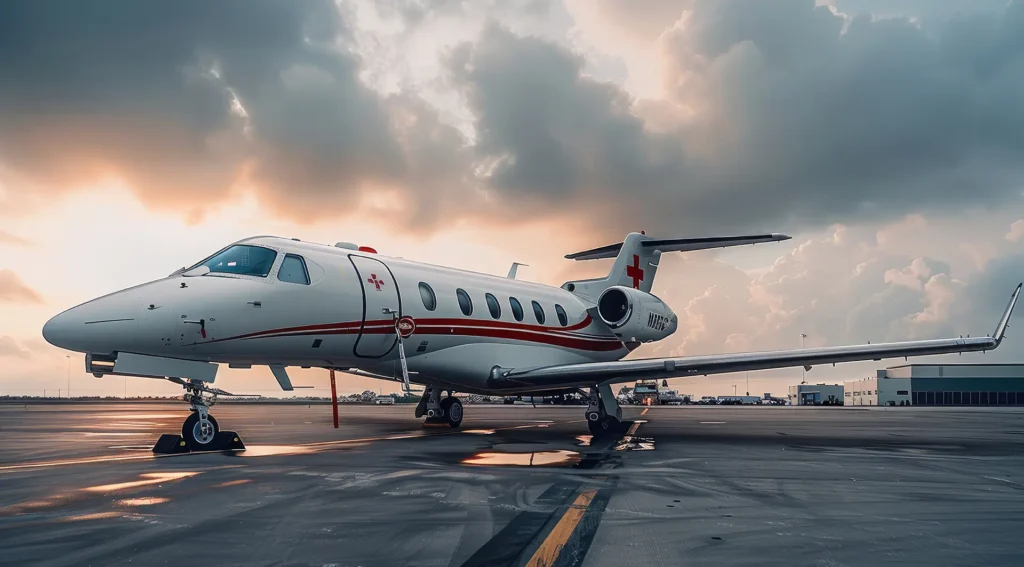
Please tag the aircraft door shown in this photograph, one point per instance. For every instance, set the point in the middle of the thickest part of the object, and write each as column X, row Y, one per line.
column 377, row 335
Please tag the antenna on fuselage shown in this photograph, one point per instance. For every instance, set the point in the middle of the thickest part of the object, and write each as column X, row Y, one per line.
column 512, row 271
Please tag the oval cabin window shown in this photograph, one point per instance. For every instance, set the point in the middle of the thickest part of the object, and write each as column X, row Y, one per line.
column 563, row 319
column 538, row 312
column 465, row 303
column 517, row 308
column 428, row 297
column 493, row 306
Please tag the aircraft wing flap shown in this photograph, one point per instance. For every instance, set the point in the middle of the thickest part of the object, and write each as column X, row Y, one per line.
column 588, row 374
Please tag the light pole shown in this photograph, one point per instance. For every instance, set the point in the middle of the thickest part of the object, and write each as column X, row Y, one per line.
column 803, row 369
column 68, row 356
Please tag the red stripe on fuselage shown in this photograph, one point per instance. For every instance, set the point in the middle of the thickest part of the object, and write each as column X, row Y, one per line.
column 557, row 336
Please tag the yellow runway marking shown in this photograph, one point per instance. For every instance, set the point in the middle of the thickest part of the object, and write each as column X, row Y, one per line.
column 556, row 540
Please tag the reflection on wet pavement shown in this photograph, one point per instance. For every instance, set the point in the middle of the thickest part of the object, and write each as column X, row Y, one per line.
column 233, row 483
column 94, row 516
column 630, row 443
column 584, row 440
column 270, row 450
column 480, row 431
column 147, row 479
column 534, row 459
column 147, row 501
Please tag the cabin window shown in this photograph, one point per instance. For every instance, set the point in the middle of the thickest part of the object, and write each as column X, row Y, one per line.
column 465, row 303
column 563, row 319
column 243, row 260
column 293, row 270
column 538, row 312
column 428, row 297
column 493, row 306
column 517, row 308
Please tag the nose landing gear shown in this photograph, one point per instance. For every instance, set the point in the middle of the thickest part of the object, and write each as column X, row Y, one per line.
column 200, row 431
column 200, row 428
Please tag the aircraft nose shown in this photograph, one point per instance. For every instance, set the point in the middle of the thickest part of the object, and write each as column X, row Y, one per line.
column 103, row 325
column 57, row 331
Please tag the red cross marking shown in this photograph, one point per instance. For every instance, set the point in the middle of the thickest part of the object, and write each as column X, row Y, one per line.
column 373, row 279
column 635, row 272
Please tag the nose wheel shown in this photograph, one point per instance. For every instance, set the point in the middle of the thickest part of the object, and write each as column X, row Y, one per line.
column 199, row 431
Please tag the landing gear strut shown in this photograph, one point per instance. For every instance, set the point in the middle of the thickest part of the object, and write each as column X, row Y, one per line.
column 439, row 410
column 200, row 432
column 604, row 416
column 200, row 428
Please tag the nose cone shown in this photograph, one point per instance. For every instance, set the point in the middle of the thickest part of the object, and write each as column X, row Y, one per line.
column 103, row 325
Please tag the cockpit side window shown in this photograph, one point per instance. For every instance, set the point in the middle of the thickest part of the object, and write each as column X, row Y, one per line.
column 293, row 270
column 243, row 260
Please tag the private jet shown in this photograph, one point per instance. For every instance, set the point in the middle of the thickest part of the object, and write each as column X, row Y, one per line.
column 280, row 302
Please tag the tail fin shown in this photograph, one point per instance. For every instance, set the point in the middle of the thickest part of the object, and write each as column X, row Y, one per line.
column 636, row 259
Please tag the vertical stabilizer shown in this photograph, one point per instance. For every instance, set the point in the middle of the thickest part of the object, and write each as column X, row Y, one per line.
column 635, row 267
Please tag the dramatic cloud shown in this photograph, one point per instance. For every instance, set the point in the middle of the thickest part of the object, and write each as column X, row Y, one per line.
column 780, row 113
column 777, row 114
column 13, row 290
column 846, row 287
column 188, row 104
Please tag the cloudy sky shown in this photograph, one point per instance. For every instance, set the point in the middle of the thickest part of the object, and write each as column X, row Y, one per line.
column 884, row 135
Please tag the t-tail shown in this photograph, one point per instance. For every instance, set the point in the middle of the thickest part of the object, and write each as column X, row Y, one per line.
column 636, row 259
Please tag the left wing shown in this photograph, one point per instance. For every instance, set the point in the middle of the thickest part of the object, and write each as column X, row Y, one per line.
column 589, row 374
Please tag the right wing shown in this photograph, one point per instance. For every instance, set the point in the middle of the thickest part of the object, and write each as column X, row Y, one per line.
column 588, row 374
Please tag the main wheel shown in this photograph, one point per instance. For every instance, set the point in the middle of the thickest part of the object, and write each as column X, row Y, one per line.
column 453, row 411
column 198, row 435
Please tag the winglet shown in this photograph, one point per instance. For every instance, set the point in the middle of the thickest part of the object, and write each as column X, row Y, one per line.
column 1005, row 320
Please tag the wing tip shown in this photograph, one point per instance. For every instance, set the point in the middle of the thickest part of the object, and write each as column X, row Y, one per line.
column 1004, row 321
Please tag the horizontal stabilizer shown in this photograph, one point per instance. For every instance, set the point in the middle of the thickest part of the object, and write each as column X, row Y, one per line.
column 678, row 245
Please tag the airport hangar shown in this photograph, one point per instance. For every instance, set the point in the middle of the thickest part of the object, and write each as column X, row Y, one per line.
column 940, row 385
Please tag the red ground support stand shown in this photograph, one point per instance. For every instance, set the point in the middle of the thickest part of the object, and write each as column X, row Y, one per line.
column 334, row 399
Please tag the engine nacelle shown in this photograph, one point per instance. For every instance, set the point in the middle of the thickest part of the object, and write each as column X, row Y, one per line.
column 636, row 316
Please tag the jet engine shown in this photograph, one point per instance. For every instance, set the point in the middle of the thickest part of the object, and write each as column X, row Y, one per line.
column 636, row 316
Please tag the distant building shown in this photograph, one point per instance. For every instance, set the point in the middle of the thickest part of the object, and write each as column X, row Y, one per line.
column 941, row 385
column 816, row 394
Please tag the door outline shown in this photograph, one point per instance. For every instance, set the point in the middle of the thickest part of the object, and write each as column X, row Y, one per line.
column 362, row 290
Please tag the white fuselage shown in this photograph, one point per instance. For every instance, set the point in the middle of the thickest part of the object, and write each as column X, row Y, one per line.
column 338, row 319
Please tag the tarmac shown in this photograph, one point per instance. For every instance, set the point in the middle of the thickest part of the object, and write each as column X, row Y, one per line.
column 516, row 485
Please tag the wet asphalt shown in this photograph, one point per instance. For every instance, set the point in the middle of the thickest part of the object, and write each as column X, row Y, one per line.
column 515, row 486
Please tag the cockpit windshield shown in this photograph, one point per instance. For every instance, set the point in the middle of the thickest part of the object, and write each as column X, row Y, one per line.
column 243, row 260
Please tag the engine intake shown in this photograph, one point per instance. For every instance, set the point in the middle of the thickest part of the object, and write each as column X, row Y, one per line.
column 636, row 316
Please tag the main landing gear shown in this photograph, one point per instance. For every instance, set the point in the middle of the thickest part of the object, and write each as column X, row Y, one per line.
column 604, row 416
column 439, row 411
